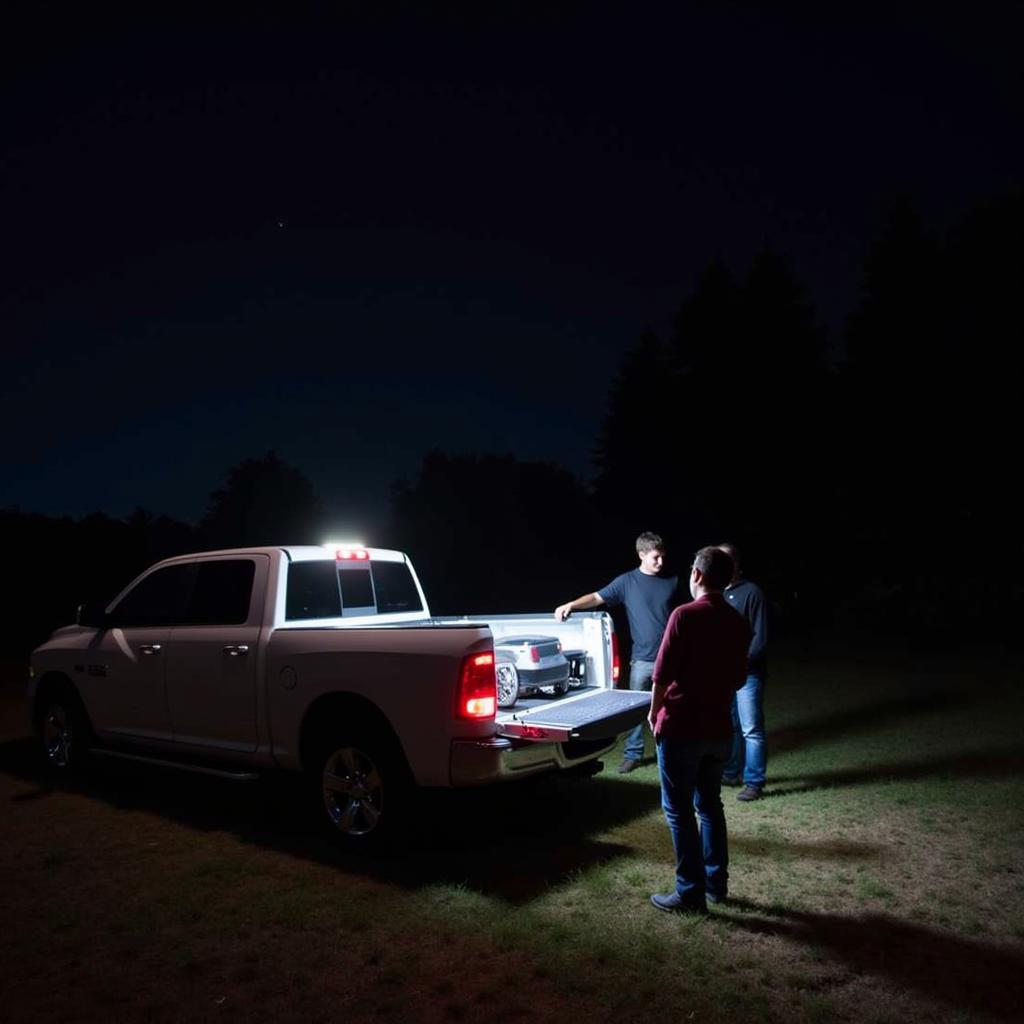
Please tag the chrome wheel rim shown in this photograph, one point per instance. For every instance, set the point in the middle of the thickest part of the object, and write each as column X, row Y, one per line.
column 353, row 791
column 508, row 683
column 57, row 736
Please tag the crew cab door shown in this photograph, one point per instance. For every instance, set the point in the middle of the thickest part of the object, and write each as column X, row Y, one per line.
column 212, row 654
column 123, row 670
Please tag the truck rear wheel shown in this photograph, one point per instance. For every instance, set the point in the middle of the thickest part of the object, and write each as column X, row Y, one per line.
column 363, row 788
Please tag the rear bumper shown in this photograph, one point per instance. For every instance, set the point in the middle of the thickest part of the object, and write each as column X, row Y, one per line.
column 498, row 759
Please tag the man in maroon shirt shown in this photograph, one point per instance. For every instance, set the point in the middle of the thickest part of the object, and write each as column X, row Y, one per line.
column 701, row 664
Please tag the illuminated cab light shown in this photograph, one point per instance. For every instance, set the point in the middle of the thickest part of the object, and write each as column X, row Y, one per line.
column 348, row 550
column 477, row 692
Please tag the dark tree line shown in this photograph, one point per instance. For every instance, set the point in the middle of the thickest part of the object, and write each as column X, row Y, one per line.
column 871, row 486
column 55, row 564
column 875, row 490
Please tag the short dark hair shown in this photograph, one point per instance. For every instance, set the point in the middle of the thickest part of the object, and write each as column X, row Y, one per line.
column 732, row 551
column 715, row 566
column 648, row 541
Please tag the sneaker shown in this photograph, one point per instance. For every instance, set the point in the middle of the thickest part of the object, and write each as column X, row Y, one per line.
column 713, row 897
column 731, row 780
column 748, row 793
column 628, row 765
column 673, row 903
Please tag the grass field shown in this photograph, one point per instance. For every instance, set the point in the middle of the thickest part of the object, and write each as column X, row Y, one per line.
column 881, row 879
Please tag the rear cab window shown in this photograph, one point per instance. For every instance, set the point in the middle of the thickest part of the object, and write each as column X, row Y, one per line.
column 330, row 589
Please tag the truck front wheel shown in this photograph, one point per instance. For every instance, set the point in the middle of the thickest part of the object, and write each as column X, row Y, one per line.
column 64, row 732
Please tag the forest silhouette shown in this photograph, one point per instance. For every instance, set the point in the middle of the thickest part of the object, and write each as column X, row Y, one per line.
column 869, row 482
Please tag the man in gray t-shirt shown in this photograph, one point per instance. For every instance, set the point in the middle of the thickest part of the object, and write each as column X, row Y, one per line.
column 648, row 598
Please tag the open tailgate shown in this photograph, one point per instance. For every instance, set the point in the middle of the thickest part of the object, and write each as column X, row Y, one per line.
column 586, row 716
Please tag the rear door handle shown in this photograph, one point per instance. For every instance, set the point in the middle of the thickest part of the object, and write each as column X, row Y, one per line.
column 149, row 648
column 234, row 650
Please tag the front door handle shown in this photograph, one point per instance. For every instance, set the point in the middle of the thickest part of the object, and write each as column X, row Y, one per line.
column 149, row 648
column 234, row 650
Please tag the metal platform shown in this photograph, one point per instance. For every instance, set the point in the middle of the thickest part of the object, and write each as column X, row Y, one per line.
column 593, row 715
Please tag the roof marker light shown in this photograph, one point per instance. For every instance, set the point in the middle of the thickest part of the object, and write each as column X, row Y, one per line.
column 352, row 554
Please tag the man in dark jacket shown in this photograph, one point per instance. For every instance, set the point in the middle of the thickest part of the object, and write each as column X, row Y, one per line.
column 749, row 760
column 701, row 663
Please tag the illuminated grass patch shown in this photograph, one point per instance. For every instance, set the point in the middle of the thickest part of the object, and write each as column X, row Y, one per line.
column 880, row 879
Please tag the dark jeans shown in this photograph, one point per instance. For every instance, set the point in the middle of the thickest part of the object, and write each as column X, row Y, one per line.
column 691, row 780
column 640, row 673
column 749, row 758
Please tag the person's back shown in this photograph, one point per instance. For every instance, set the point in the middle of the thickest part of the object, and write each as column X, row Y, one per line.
column 702, row 660
column 702, row 668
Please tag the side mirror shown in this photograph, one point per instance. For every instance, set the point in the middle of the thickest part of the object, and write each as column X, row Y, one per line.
column 92, row 615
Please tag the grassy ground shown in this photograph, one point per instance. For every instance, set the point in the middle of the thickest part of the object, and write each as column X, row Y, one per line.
column 881, row 879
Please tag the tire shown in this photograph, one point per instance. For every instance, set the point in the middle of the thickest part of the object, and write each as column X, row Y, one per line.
column 363, row 788
column 64, row 733
column 507, row 679
column 562, row 688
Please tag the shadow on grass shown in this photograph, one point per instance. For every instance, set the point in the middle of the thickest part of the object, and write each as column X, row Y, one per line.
column 514, row 842
column 973, row 765
column 962, row 973
column 842, row 722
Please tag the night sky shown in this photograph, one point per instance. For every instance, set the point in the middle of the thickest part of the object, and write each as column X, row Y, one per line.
column 353, row 240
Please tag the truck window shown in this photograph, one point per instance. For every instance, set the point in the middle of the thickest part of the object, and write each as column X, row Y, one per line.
column 222, row 593
column 356, row 590
column 326, row 590
column 312, row 591
column 157, row 600
column 395, row 589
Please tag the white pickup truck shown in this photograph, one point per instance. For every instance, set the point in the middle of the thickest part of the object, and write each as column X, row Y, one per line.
column 317, row 660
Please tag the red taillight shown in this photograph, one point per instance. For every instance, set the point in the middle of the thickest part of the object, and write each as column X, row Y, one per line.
column 477, row 696
column 354, row 554
column 534, row 654
column 615, row 657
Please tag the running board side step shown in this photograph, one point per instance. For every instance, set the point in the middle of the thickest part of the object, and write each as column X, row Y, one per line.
column 235, row 775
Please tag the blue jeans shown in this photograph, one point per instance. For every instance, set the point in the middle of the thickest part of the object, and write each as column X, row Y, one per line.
column 749, row 756
column 640, row 673
column 691, row 780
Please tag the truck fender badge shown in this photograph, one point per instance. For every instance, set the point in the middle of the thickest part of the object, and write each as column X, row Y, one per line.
column 96, row 670
column 288, row 677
